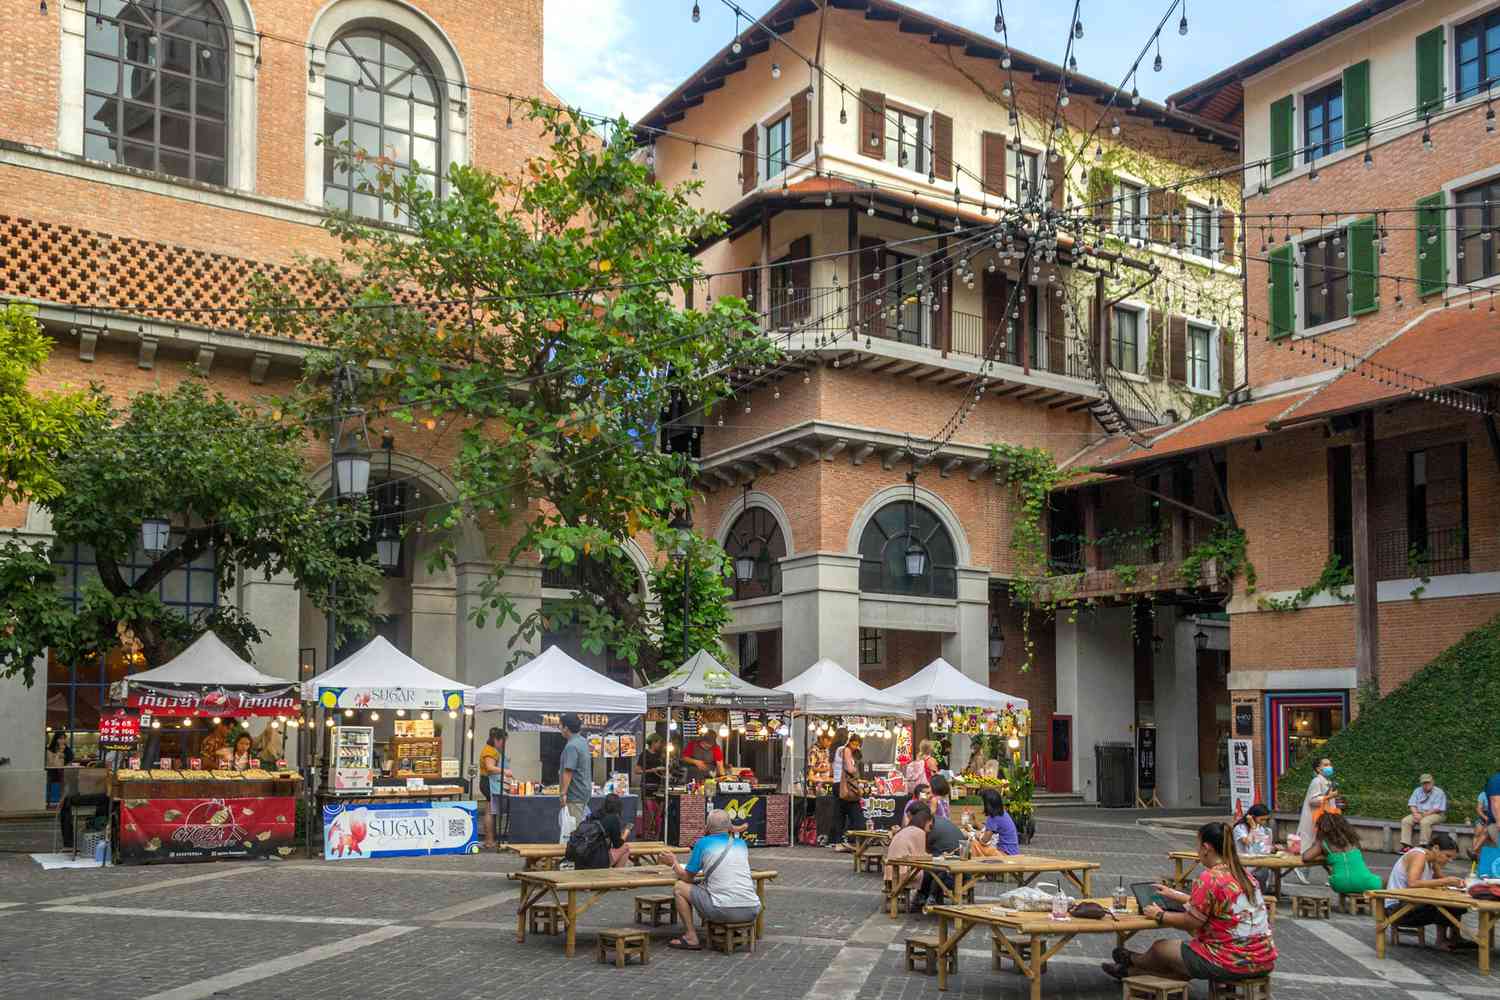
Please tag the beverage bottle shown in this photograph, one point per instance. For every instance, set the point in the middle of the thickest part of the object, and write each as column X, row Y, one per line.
column 1120, row 905
column 1060, row 905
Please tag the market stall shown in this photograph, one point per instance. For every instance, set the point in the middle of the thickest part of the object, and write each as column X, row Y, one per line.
column 204, row 801
column 729, row 721
column 828, row 699
column 972, row 715
column 389, row 778
column 532, row 700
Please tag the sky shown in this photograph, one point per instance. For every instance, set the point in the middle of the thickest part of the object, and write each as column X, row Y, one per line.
column 612, row 56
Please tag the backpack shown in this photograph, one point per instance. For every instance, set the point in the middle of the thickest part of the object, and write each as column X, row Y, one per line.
column 588, row 845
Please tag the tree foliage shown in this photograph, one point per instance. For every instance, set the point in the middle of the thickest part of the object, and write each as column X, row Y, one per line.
column 233, row 483
column 707, row 568
column 558, row 347
column 35, row 428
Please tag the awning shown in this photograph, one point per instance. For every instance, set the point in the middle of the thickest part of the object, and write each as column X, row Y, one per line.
column 381, row 676
column 207, row 679
column 825, row 688
column 1447, row 348
column 555, row 682
column 941, row 684
column 704, row 682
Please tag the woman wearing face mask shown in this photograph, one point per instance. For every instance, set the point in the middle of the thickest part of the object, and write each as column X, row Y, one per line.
column 1225, row 914
column 1318, row 794
column 1422, row 868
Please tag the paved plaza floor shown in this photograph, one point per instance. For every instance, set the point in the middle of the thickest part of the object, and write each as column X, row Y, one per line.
column 446, row 928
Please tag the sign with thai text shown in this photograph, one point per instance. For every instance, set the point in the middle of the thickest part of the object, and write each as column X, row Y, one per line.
column 1241, row 776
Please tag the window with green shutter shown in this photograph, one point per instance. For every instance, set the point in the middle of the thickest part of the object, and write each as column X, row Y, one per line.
column 1356, row 103
column 1283, row 311
column 1430, row 71
column 1364, row 266
column 1282, row 130
column 1432, row 265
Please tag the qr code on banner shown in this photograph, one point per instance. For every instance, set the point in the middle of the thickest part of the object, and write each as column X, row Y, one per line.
column 458, row 827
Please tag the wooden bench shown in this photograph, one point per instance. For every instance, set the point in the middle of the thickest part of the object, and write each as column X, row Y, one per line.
column 656, row 910
column 1023, row 949
column 925, row 950
column 1356, row 904
column 729, row 938
column 545, row 918
column 626, row 943
column 1243, row 989
column 1312, row 907
column 1397, row 932
column 872, row 860
column 1154, row 988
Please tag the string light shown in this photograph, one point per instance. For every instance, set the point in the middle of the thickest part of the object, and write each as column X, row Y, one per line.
column 697, row 14
column 1157, row 64
column 1182, row 28
column 776, row 71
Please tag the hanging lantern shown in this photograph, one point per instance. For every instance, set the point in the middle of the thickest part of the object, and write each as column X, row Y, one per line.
column 388, row 549
column 916, row 558
column 744, row 568
column 351, row 464
column 156, row 533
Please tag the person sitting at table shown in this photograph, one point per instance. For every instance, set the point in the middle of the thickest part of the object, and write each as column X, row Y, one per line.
column 939, row 801
column 1487, row 818
column 1225, row 914
column 611, row 819
column 1422, row 868
column 999, row 830
column 943, row 837
column 919, row 797
column 911, row 840
column 1337, row 846
column 1252, row 836
column 1427, row 807
column 716, row 882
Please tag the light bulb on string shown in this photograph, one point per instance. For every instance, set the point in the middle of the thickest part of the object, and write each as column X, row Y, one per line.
column 1135, row 94
column 348, row 713
column 697, row 14
column 1182, row 27
column 374, row 716
column 776, row 71
column 1078, row 28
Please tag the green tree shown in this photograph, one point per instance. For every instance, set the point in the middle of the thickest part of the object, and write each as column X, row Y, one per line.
column 706, row 567
column 537, row 318
column 34, row 428
column 232, row 481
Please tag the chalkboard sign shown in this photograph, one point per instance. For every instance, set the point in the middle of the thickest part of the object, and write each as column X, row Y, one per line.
column 1244, row 719
column 1145, row 762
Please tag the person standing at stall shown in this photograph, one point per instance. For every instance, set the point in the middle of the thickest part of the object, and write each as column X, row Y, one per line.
column 650, row 772
column 59, row 755
column 492, row 781
column 575, row 771
column 846, row 771
column 703, row 757
column 216, row 740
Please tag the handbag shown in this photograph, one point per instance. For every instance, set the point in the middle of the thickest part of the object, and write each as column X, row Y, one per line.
column 1087, row 909
column 849, row 790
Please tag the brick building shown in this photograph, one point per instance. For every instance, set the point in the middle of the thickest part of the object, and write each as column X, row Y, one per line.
column 156, row 155
column 853, row 200
column 1363, row 450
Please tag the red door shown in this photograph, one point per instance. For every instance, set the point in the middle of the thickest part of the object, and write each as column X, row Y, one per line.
column 1060, row 754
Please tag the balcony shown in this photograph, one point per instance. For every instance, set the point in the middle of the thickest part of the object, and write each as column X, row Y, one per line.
column 1443, row 552
column 1126, row 581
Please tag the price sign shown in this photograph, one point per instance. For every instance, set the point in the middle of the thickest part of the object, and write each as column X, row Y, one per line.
column 195, row 763
column 734, row 787
column 119, row 731
column 416, row 783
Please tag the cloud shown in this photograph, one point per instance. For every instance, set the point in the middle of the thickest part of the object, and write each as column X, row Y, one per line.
column 592, row 59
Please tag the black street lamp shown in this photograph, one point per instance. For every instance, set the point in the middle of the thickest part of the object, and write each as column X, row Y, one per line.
column 682, row 524
column 1200, row 639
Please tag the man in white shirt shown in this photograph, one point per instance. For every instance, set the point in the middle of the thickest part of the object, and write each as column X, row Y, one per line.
column 1427, row 807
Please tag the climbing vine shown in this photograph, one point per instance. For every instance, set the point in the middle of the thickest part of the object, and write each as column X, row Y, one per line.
column 1225, row 548
column 1334, row 578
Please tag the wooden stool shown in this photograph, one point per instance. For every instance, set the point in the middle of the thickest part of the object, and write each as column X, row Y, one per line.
column 1271, row 902
column 998, row 955
column 872, row 861
column 626, row 942
column 1395, row 933
column 1243, row 989
column 1358, row 905
column 1315, row 907
column 1154, row 988
column 545, row 918
column 924, row 950
column 728, row 938
column 655, row 910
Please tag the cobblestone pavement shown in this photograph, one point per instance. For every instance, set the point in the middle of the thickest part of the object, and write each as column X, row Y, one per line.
column 446, row 928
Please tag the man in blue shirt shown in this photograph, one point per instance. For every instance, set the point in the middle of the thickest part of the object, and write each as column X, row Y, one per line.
column 575, row 772
column 1426, row 808
column 1487, row 824
column 716, row 882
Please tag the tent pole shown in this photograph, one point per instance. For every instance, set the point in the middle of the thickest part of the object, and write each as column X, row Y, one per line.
column 504, row 795
column 666, row 785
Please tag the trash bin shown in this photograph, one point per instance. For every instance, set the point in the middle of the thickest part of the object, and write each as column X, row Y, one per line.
column 1114, row 774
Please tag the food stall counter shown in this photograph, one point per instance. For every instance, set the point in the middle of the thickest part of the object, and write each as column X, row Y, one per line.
column 169, row 816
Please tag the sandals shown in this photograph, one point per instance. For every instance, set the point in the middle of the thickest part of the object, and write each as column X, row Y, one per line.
column 680, row 943
column 1115, row 971
column 1122, row 957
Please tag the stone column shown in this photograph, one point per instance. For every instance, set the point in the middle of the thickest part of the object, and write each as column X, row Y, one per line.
column 968, row 649
column 484, row 651
column 23, row 720
column 819, row 611
column 1175, row 674
column 1096, row 686
column 276, row 606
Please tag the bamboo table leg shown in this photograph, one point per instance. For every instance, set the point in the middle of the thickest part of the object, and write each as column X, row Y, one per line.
column 941, row 959
column 1486, row 940
column 571, row 914
column 760, row 918
column 1038, row 955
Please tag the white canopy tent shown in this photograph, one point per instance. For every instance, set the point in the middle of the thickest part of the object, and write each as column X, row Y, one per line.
column 553, row 682
column 207, row 661
column 381, row 676
column 825, row 688
column 940, row 683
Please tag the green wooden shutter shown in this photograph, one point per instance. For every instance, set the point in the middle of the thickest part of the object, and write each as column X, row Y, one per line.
column 1356, row 103
column 1283, row 315
column 1430, row 71
column 1432, row 265
column 1364, row 266
column 1281, row 136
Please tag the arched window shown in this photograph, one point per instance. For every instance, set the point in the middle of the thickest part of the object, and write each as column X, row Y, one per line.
column 381, row 96
column 883, row 546
column 156, row 87
column 755, row 543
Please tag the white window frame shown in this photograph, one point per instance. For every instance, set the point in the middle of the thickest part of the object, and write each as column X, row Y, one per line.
column 1142, row 223
column 1142, row 340
column 1298, row 292
column 1299, row 140
column 1450, row 233
column 1013, row 182
column 1213, row 224
column 1213, row 388
column 764, row 160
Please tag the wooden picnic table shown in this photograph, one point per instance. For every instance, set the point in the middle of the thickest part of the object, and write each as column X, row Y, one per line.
column 1450, row 903
column 861, row 841
column 597, row 882
column 1025, row 868
column 1011, row 928
column 1186, row 862
column 548, row 855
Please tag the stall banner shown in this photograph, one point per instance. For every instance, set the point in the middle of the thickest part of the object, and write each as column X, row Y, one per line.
column 881, row 809
column 746, row 810
column 1006, row 721
column 399, row 830
column 1145, row 762
column 594, row 724
column 394, row 697
column 160, row 830
column 119, row 730
column 1241, row 777
column 173, row 701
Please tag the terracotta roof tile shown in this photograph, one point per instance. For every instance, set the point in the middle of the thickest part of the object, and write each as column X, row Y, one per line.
column 1445, row 347
column 1218, row 427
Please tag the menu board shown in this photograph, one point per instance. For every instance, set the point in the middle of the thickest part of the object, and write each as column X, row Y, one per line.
column 415, row 728
column 119, row 730
column 417, row 758
column 353, row 758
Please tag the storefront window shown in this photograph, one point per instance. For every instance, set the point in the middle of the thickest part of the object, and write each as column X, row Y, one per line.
column 1308, row 729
